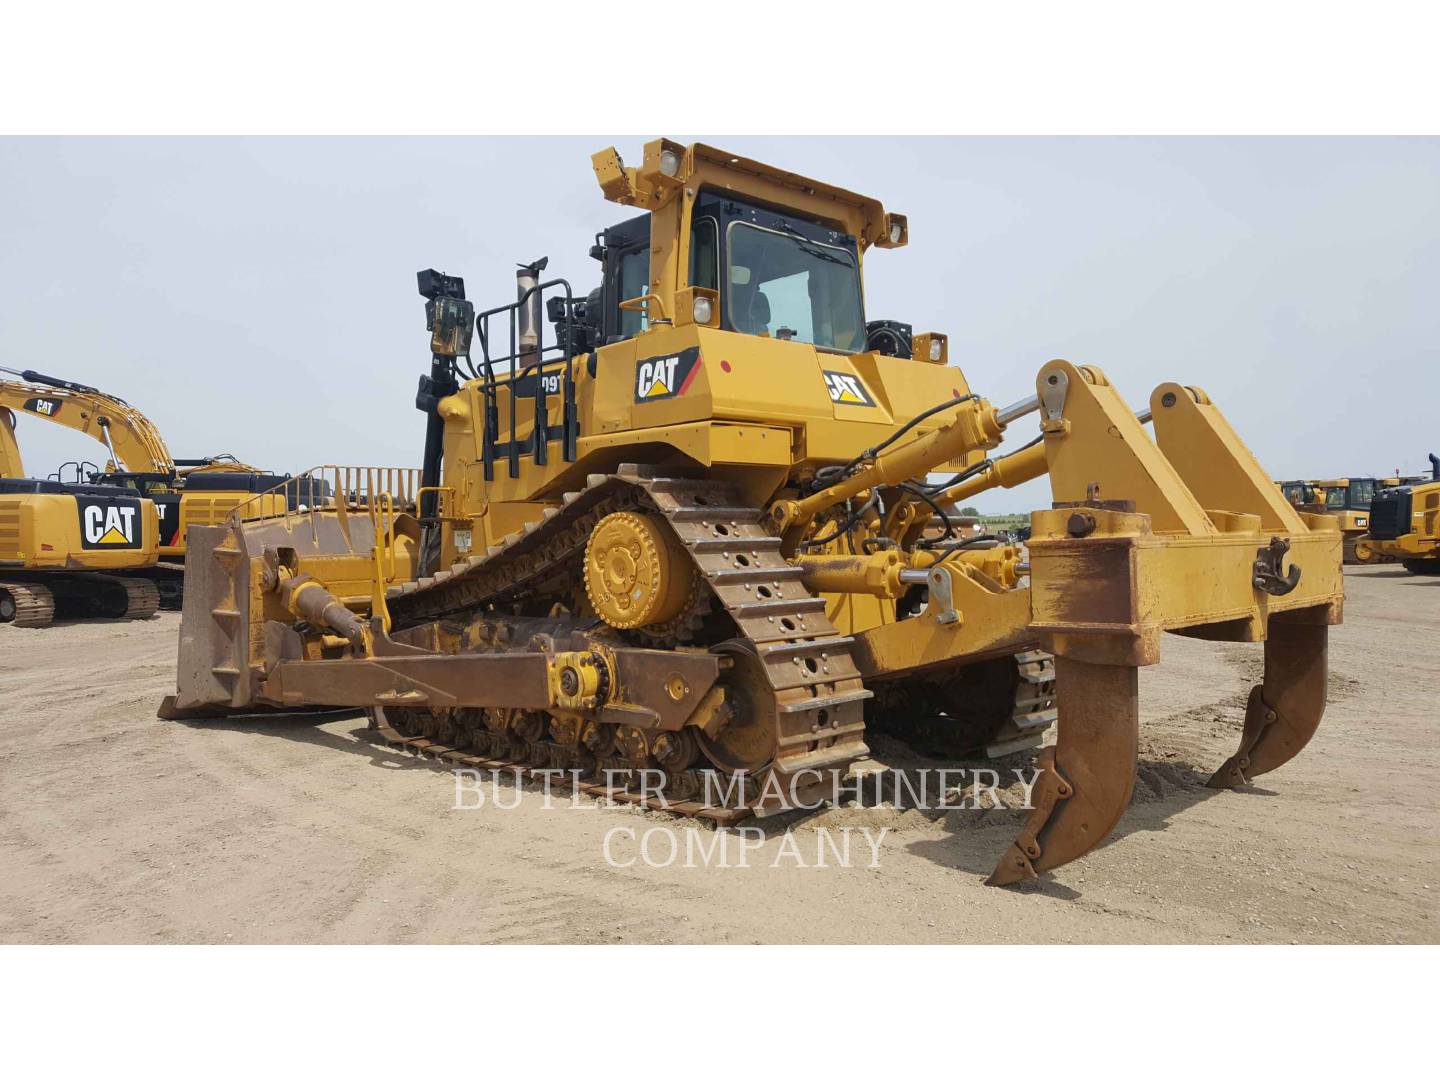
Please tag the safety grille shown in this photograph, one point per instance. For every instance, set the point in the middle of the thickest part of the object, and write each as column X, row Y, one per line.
column 9, row 532
column 1390, row 514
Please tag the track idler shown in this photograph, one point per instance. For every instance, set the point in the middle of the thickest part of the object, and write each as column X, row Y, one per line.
column 1087, row 777
column 1285, row 709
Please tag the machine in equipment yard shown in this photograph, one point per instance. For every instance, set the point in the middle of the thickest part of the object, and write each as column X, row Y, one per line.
column 1405, row 524
column 108, row 545
column 1347, row 499
column 691, row 542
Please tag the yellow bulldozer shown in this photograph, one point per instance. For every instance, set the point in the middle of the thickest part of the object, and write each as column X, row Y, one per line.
column 110, row 541
column 1405, row 524
column 684, row 527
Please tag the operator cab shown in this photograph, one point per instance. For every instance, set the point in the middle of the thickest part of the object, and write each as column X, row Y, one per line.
column 778, row 275
column 1356, row 493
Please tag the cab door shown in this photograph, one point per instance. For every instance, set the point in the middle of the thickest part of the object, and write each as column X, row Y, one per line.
column 627, row 275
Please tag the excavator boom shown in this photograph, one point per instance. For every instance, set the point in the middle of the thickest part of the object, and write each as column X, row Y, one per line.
column 133, row 443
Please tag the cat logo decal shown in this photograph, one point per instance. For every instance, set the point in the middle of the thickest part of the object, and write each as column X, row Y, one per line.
column 109, row 523
column 43, row 406
column 847, row 389
column 661, row 377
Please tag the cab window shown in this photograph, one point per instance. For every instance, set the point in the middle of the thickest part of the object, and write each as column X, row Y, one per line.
column 704, row 254
column 782, row 284
column 634, row 281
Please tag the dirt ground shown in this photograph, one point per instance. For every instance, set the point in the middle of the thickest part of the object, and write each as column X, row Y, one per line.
column 117, row 827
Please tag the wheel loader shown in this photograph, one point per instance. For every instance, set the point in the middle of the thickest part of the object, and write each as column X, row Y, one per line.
column 48, row 557
column 1347, row 498
column 685, row 532
column 1405, row 524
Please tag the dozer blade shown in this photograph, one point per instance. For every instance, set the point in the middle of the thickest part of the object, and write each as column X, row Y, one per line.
column 1285, row 709
column 1087, row 776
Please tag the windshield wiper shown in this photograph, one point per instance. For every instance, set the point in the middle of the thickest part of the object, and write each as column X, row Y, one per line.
column 811, row 247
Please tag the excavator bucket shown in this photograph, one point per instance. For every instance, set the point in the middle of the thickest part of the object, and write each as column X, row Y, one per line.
column 1285, row 709
column 1088, row 775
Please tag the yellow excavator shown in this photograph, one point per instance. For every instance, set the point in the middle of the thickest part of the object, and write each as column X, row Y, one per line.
column 681, row 537
column 109, row 543
column 1405, row 524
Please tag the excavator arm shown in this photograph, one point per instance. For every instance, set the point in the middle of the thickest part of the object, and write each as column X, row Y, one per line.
column 132, row 442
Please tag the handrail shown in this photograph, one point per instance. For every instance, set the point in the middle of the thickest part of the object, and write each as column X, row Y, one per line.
column 338, row 489
column 384, row 545
column 533, row 361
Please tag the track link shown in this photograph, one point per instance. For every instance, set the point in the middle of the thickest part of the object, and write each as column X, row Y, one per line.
column 34, row 605
column 142, row 597
column 586, row 776
column 817, row 691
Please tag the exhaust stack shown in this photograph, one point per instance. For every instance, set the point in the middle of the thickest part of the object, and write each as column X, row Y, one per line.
column 526, row 278
column 1434, row 467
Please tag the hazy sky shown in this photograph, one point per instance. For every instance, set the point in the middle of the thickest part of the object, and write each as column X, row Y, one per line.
column 257, row 296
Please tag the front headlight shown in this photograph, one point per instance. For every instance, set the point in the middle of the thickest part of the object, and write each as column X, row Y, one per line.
column 669, row 162
column 703, row 310
column 937, row 349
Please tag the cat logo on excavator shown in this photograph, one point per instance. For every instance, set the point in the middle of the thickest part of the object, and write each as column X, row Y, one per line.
column 108, row 523
column 43, row 406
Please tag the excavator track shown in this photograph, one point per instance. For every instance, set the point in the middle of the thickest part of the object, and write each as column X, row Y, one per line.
column 80, row 595
column 813, row 686
column 26, row 605
column 142, row 598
